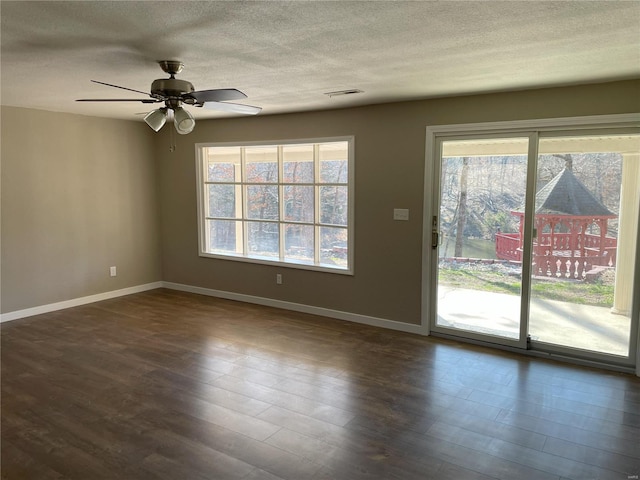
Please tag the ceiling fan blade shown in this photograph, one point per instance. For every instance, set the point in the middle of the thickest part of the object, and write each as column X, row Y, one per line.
column 143, row 100
column 123, row 88
column 233, row 107
column 217, row 95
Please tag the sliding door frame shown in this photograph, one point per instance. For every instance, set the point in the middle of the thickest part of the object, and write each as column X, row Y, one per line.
column 533, row 129
column 531, row 152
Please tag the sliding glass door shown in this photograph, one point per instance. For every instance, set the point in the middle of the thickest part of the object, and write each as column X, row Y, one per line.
column 533, row 237
column 586, row 219
column 482, row 181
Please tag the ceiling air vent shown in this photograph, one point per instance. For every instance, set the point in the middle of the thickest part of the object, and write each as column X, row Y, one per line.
column 351, row 91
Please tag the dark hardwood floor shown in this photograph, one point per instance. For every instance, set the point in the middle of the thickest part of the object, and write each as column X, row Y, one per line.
column 170, row 385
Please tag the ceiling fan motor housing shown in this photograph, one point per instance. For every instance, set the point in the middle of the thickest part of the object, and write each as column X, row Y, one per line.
column 171, row 87
column 175, row 93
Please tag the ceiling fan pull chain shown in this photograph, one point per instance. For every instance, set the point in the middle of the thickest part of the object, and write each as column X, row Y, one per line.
column 172, row 140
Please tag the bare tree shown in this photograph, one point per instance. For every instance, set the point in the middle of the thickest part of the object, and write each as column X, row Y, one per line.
column 462, row 207
column 568, row 160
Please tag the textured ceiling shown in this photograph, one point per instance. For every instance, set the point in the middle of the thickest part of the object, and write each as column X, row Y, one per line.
column 286, row 55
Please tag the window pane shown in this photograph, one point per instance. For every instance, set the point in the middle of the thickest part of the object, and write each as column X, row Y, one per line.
column 298, row 163
column 224, row 236
column 333, row 205
column 483, row 184
column 262, row 164
column 262, row 202
column 298, row 242
column 333, row 246
column 274, row 202
column 263, row 239
column 223, row 164
column 222, row 201
column 298, row 203
column 587, row 211
column 334, row 162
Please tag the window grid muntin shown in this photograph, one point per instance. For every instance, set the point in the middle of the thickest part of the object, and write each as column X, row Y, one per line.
column 317, row 224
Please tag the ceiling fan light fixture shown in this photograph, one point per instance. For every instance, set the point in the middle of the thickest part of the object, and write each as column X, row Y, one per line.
column 156, row 118
column 183, row 121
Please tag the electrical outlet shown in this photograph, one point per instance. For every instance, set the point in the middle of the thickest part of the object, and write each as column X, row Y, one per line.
column 112, row 271
column 279, row 278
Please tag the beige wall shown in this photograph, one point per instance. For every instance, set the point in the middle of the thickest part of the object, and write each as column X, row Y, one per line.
column 389, row 173
column 79, row 194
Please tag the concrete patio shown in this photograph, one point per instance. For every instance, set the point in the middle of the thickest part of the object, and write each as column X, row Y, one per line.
column 567, row 324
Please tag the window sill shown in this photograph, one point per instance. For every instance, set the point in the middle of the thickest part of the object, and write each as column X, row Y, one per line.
column 289, row 264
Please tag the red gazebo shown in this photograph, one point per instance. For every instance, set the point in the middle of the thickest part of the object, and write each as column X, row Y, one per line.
column 566, row 213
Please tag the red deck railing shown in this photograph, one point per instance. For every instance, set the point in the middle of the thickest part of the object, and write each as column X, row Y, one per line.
column 508, row 246
column 560, row 259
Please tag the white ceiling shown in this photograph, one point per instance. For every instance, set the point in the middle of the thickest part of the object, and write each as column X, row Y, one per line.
column 286, row 55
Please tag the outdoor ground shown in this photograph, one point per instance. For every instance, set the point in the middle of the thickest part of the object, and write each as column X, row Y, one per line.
column 482, row 294
column 503, row 277
column 568, row 324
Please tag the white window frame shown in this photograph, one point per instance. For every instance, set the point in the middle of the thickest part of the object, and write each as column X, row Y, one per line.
column 202, row 181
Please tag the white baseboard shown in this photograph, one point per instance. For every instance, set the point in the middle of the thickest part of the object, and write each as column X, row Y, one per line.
column 298, row 307
column 75, row 302
column 269, row 302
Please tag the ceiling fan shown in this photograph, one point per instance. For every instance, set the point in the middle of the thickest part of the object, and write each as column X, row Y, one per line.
column 174, row 93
